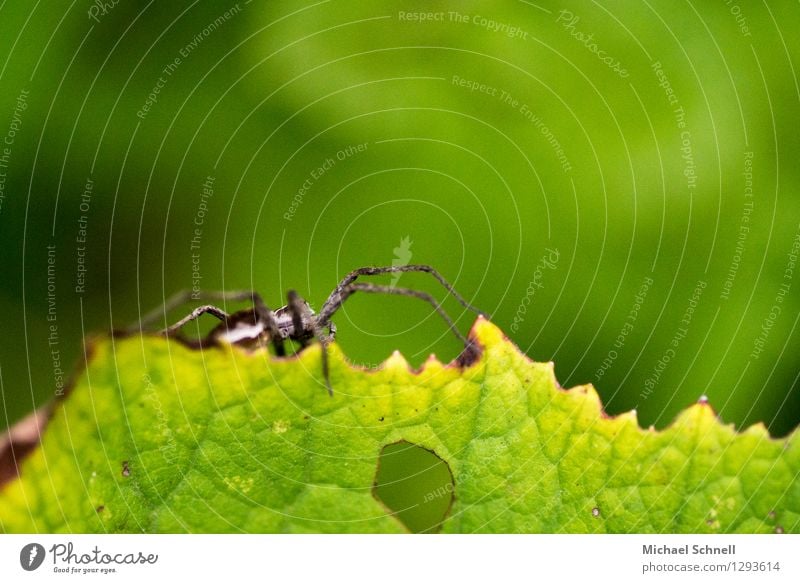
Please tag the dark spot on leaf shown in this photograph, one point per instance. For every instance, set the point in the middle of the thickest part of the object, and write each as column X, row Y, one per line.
column 381, row 419
column 470, row 355
column 100, row 508
column 126, row 470
column 415, row 485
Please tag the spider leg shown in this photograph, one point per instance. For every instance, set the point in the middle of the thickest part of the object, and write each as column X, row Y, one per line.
column 353, row 275
column 296, row 310
column 182, row 297
column 332, row 305
column 152, row 316
column 193, row 315
column 324, row 344
column 186, row 295
column 268, row 317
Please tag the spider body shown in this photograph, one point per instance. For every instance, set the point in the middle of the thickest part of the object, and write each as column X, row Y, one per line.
column 247, row 330
column 244, row 329
column 259, row 326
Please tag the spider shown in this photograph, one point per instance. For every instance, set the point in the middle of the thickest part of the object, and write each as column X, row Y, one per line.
column 258, row 325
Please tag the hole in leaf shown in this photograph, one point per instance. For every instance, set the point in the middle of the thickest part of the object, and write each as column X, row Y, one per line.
column 415, row 484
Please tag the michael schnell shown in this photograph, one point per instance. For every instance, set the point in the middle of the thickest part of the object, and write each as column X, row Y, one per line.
column 685, row 550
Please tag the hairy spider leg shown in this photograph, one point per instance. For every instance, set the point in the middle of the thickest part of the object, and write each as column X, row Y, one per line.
column 183, row 296
column 323, row 341
column 268, row 317
column 353, row 275
column 335, row 302
column 303, row 317
column 193, row 315
column 297, row 309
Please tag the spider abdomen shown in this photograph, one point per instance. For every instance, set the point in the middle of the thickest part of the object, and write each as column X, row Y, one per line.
column 242, row 328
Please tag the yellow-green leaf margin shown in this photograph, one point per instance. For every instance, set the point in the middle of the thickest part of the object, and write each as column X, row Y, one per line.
column 157, row 437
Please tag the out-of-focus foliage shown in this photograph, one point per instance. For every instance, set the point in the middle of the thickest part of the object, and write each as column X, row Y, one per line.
column 561, row 195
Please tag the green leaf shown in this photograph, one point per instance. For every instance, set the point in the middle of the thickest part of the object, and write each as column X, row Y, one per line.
column 157, row 437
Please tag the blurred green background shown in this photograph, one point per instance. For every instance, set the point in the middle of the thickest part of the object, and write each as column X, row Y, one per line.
column 620, row 178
